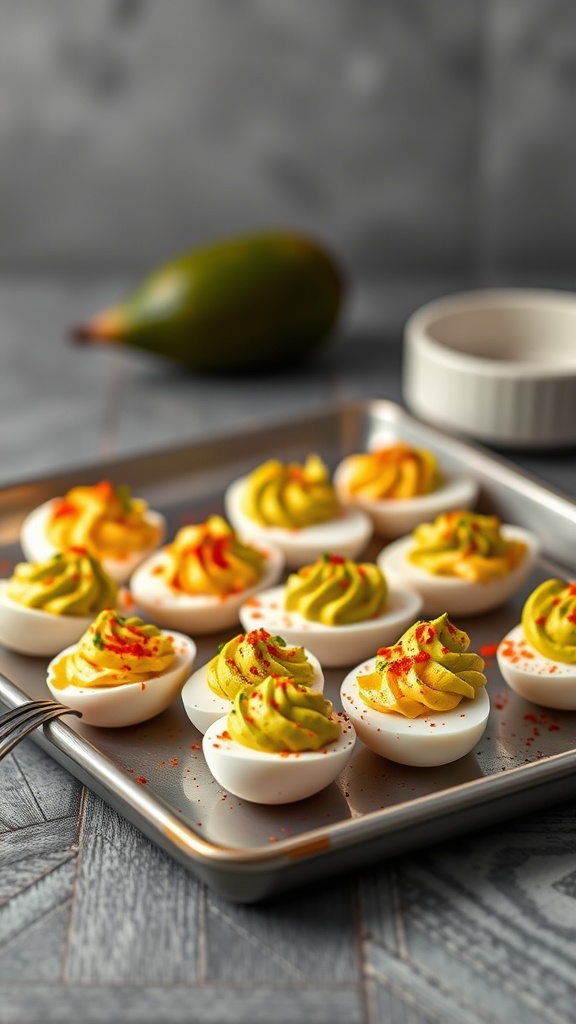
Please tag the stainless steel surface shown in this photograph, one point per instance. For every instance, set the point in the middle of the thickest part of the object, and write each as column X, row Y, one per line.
column 155, row 774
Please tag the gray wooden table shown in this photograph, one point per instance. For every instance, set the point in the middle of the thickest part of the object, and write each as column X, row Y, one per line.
column 97, row 924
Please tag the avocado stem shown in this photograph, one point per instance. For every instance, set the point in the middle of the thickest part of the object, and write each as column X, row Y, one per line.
column 104, row 327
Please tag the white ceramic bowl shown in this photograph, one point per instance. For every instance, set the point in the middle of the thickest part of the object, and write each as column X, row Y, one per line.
column 497, row 365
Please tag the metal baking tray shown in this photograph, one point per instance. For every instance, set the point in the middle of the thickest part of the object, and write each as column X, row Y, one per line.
column 154, row 774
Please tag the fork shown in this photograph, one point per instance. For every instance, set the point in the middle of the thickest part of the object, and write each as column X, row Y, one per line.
column 18, row 722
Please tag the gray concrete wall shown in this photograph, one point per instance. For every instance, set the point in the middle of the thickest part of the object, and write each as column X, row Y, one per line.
column 420, row 138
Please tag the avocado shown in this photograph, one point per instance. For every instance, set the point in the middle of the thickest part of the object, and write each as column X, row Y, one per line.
column 242, row 303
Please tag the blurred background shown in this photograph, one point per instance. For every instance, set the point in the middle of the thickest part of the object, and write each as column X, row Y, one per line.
column 428, row 143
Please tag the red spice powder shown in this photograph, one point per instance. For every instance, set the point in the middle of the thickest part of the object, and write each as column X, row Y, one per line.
column 221, row 544
column 63, row 508
column 488, row 650
column 134, row 649
column 104, row 490
column 425, row 633
column 400, row 667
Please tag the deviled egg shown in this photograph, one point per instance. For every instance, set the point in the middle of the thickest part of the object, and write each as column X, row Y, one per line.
column 399, row 486
column 423, row 701
column 538, row 657
column 122, row 671
column 240, row 663
column 198, row 582
column 295, row 507
column 463, row 563
column 338, row 609
column 117, row 529
column 279, row 743
column 47, row 606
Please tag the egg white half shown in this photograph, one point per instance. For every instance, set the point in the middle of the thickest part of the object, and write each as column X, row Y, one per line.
column 332, row 645
column 37, row 632
column 196, row 613
column 423, row 742
column 264, row 778
column 450, row 593
column 549, row 683
column 204, row 707
column 347, row 535
column 130, row 703
column 394, row 517
column 37, row 548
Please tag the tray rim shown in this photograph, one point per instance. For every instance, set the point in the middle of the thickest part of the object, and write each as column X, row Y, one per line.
column 58, row 736
column 93, row 469
column 163, row 825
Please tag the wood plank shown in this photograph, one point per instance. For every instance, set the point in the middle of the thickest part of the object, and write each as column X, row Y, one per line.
column 37, row 839
column 20, row 874
column 380, row 906
column 399, row 991
column 206, row 1004
column 483, row 904
column 35, row 902
column 136, row 911
column 18, row 804
column 303, row 936
column 37, row 952
column 56, row 792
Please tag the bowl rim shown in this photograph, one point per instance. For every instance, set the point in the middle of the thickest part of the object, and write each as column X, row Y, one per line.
column 419, row 323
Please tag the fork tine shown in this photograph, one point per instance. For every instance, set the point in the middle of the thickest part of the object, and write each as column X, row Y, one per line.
column 19, row 721
column 25, row 710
